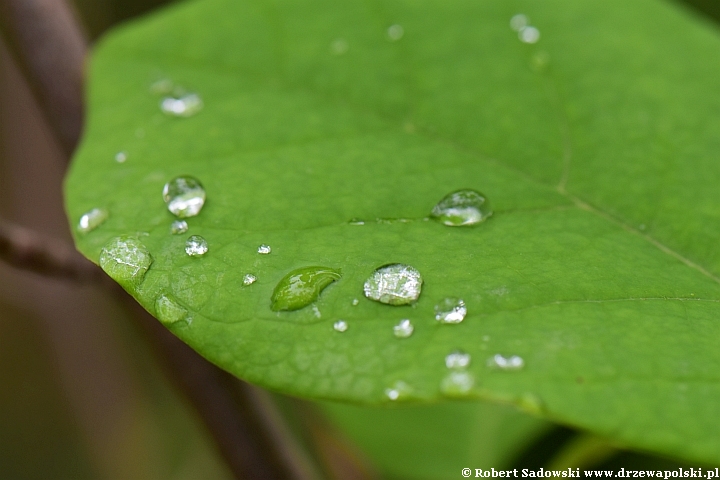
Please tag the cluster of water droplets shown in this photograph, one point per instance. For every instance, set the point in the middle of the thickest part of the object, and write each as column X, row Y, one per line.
column 458, row 381
column 526, row 32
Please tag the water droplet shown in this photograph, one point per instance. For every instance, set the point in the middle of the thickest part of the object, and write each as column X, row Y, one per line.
column 457, row 360
column 168, row 310
column 196, row 246
column 126, row 260
column 301, row 287
column 457, row 383
column 264, row 249
column 450, row 310
column 183, row 106
column 356, row 221
column 178, row 227
column 529, row 34
column 395, row 32
column 519, row 21
column 120, row 157
column 403, row 329
column 92, row 219
column 462, row 207
column 486, row 338
column 162, row 86
column 399, row 390
column 339, row 46
column 184, row 195
column 249, row 279
column 340, row 326
column 394, row 284
column 355, row 302
column 506, row 363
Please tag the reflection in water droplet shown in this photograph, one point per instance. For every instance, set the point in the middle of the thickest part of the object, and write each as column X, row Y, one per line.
column 529, row 34
column 340, row 326
column 399, row 390
column 394, row 284
column 355, row 302
column 178, row 227
column 301, row 287
column 395, row 32
column 461, row 208
column 120, row 157
column 168, row 310
column 126, row 260
column 339, row 46
column 457, row 360
column 519, row 21
column 184, row 106
column 196, row 246
column 450, row 310
column 506, row 363
column 264, row 249
column 249, row 279
column 457, row 383
column 92, row 219
column 184, row 195
column 403, row 329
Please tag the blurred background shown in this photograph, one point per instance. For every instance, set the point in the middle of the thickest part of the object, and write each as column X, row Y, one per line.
column 81, row 396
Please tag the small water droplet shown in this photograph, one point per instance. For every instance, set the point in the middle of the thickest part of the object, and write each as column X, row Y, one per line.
column 196, row 246
column 394, row 284
column 301, row 287
column 356, row 221
column 642, row 227
column 339, row 46
column 264, row 249
column 120, row 157
column 486, row 338
column 399, row 390
column 519, row 21
column 184, row 196
column 340, row 326
column 355, row 302
column 249, row 279
column 457, row 383
column 162, row 86
column 529, row 34
column 126, row 260
column 506, row 363
column 183, row 106
column 461, row 208
column 450, row 310
column 395, row 32
column 178, row 227
column 92, row 219
column 168, row 310
column 403, row 329
column 457, row 360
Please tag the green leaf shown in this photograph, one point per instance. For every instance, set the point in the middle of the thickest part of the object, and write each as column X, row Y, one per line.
column 595, row 146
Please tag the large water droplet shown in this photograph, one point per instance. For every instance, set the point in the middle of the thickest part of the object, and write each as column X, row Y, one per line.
column 184, row 106
column 461, row 208
column 519, row 21
column 340, row 326
column 529, row 34
column 168, row 310
column 398, row 391
column 184, row 195
column 457, row 383
column 301, row 287
column 196, row 246
column 120, row 157
column 178, row 227
column 450, row 310
column 264, row 249
column 126, row 260
column 394, row 284
column 92, row 219
column 249, row 279
column 506, row 363
column 403, row 329
column 395, row 32
column 457, row 360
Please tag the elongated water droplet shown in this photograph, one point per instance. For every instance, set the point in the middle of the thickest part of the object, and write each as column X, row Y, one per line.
column 339, row 46
column 395, row 32
column 168, row 310
column 529, row 34
column 398, row 391
column 264, row 249
column 178, row 227
column 457, row 360
column 403, row 329
column 196, row 246
column 184, row 196
column 506, row 363
column 249, row 279
column 126, row 260
column 92, row 219
column 457, row 383
column 394, row 284
column 184, row 106
column 340, row 326
column 301, row 287
column 450, row 310
column 120, row 157
column 518, row 22
column 462, row 208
